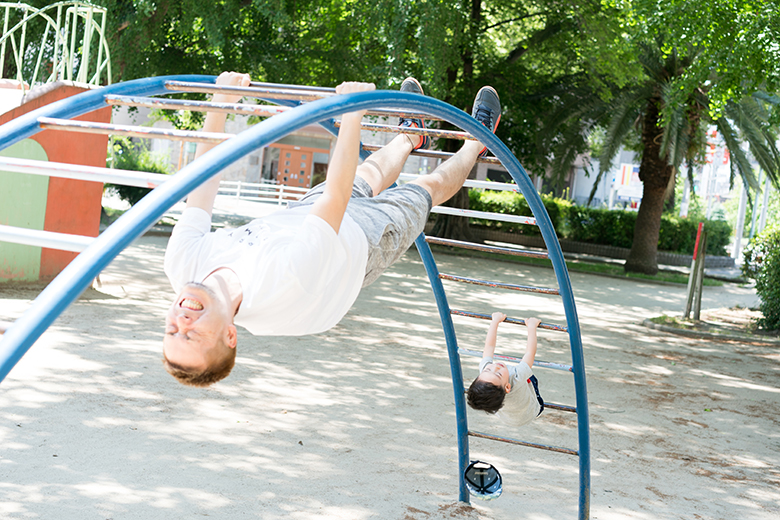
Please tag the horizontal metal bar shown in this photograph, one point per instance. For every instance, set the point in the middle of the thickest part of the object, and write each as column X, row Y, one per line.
column 537, row 363
column 484, row 248
column 83, row 173
column 522, row 443
column 262, row 84
column 88, row 127
column 560, row 407
column 275, row 92
column 290, row 92
column 498, row 285
column 458, row 212
column 470, row 183
column 196, row 106
column 430, row 132
column 436, row 154
column 50, row 239
column 514, row 321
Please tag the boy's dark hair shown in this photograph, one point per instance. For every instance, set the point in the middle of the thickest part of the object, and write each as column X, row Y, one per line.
column 486, row 396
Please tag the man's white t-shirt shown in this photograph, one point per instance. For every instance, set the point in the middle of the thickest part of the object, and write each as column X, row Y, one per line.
column 520, row 405
column 297, row 275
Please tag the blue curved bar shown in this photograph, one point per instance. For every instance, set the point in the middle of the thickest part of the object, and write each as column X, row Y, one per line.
column 77, row 276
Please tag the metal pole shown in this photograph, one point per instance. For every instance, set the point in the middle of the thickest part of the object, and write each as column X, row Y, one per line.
column 700, row 277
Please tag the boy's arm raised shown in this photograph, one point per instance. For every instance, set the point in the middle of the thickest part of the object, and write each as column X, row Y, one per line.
column 332, row 204
column 530, row 349
column 490, row 339
column 203, row 196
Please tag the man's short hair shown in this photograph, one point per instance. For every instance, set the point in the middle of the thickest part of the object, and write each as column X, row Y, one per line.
column 216, row 372
column 486, row 396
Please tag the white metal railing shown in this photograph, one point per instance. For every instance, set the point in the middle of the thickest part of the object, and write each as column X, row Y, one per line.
column 64, row 50
column 261, row 191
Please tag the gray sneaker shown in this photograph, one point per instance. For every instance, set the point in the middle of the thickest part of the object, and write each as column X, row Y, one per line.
column 487, row 110
column 412, row 86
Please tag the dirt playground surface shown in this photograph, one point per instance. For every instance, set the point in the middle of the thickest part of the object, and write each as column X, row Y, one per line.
column 358, row 423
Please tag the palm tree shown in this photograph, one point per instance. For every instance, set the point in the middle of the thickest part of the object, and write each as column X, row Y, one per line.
column 670, row 129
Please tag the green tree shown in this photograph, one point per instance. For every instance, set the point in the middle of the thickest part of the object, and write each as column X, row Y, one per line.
column 684, row 87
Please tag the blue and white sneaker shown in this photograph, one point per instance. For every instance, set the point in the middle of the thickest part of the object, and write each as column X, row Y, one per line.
column 413, row 86
column 487, row 110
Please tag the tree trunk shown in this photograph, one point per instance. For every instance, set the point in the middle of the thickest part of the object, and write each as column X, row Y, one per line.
column 654, row 172
column 450, row 226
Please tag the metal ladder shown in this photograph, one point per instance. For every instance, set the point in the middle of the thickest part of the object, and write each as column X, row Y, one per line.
column 299, row 107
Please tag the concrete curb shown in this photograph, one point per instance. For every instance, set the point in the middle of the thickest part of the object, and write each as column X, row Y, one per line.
column 710, row 335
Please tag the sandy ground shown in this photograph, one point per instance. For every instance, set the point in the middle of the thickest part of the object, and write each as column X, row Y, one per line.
column 358, row 423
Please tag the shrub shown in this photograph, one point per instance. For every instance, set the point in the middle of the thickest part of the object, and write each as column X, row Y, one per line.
column 761, row 261
column 125, row 154
column 599, row 225
column 513, row 203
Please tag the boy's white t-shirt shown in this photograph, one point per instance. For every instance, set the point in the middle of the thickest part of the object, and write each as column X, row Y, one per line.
column 297, row 275
column 520, row 405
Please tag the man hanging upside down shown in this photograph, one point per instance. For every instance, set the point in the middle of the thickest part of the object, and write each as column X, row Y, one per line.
column 299, row 270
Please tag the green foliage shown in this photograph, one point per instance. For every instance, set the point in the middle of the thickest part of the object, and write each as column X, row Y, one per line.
column 125, row 154
column 761, row 261
column 598, row 225
column 602, row 226
column 513, row 203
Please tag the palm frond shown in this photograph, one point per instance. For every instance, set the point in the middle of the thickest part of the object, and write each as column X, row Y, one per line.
column 739, row 160
column 623, row 113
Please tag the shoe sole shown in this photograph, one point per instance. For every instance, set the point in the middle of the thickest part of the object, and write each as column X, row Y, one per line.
column 417, row 83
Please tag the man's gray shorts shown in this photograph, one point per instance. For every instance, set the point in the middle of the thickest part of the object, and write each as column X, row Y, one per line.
column 391, row 221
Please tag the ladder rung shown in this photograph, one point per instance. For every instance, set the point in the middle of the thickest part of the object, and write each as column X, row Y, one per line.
column 512, row 359
column 435, row 154
column 269, row 92
column 522, row 443
column 89, row 127
column 458, row 212
column 49, row 239
column 498, row 285
column 484, row 248
column 83, row 173
column 279, row 91
column 196, row 106
column 514, row 321
column 561, row 407
column 470, row 183
column 430, row 132
column 552, row 406
column 262, row 84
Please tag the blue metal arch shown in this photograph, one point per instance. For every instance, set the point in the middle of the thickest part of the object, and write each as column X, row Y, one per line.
column 64, row 289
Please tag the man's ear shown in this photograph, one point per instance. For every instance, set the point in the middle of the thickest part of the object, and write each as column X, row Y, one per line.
column 232, row 336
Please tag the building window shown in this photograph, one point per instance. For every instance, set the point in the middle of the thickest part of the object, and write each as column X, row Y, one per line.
column 300, row 181
column 286, row 170
column 303, row 172
column 287, row 163
column 303, row 165
column 285, row 179
column 287, row 155
column 303, row 156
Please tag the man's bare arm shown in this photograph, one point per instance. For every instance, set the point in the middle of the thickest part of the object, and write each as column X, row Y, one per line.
column 203, row 196
column 332, row 204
